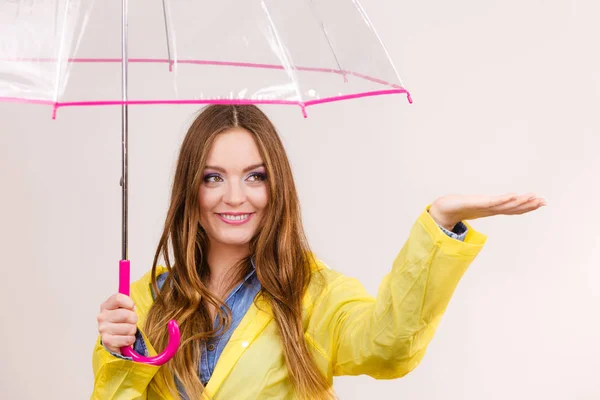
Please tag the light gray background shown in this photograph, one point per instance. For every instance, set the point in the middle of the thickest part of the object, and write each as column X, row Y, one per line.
column 506, row 98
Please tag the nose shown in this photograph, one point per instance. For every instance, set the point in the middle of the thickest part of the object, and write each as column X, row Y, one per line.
column 234, row 195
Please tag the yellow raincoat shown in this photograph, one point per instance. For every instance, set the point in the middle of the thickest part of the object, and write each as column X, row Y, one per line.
column 348, row 331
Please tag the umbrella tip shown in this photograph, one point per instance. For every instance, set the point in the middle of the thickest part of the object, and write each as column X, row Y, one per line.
column 54, row 110
column 409, row 97
column 303, row 107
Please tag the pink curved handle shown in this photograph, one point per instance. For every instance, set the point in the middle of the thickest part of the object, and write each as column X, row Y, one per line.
column 163, row 357
column 174, row 336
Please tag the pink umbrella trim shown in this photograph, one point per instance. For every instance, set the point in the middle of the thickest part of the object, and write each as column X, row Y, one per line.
column 397, row 89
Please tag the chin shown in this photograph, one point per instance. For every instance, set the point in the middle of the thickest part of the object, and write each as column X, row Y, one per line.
column 235, row 240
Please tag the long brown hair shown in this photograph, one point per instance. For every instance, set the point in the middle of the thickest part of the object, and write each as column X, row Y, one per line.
column 279, row 248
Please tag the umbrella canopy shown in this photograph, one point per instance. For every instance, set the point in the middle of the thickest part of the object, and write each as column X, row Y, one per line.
column 303, row 52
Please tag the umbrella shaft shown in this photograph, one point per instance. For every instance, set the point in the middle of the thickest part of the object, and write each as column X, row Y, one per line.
column 124, row 134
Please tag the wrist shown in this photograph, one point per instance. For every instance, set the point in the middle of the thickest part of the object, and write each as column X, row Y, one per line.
column 447, row 222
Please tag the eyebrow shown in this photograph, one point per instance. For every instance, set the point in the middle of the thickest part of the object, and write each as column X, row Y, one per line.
column 247, row 169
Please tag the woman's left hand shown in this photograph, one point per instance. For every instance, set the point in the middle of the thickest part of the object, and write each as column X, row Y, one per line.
column 449, row 210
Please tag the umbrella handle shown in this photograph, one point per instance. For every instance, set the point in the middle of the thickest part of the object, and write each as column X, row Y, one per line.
column 174, row 337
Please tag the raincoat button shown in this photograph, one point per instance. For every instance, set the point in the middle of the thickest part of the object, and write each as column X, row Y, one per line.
column 245, row 344
column 211, row 347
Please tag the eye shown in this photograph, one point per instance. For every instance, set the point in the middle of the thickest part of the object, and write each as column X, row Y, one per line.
column 212, row 178
column 257, row 177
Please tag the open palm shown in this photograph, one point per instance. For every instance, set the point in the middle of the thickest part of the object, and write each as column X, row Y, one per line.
column 451, row 209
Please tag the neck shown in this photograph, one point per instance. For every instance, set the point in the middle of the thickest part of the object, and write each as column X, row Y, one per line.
column 222, row 259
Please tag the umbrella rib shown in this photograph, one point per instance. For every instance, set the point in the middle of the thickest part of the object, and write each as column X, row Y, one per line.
column 337, row 61
column 61, row 51
column 286, row 61
column 362, row 11
column 167, row 34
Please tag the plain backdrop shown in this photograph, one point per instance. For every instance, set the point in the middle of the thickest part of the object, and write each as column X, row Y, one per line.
column 506, row 98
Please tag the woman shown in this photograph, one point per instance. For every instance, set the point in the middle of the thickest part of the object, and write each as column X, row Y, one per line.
column 247, row 292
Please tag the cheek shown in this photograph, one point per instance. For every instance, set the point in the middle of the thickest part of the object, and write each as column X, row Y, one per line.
column 208, row 199
column 260, row 198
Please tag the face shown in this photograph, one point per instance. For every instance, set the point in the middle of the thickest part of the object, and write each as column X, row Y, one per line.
column 234, row 193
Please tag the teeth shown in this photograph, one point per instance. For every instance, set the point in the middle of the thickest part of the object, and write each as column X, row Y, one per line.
column 235, row 217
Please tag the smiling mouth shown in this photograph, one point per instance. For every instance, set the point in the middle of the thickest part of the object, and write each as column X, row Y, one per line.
column 235, row 217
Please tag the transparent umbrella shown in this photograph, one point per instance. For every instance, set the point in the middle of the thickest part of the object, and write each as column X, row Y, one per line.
column 300, row 53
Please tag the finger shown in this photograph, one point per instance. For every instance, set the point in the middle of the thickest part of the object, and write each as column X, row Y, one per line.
column 528, row 207
column 121, row 316
column 496, row 201
column 120, row 329
column 513, row 203
column 117, row 301
column 116, row 329
column 114, row 343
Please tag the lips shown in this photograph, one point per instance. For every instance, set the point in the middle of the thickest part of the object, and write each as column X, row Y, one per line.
column 235, row 218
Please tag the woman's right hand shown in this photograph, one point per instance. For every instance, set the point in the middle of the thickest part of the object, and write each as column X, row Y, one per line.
column 117, row 322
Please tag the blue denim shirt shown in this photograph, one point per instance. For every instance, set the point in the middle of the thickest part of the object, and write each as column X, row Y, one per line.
column 239, row 301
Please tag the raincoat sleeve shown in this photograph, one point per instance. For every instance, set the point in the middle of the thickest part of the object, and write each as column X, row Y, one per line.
column 117, row 377
column 386, row 337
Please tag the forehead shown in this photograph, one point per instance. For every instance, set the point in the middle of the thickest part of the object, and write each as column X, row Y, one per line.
column 234, row 149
